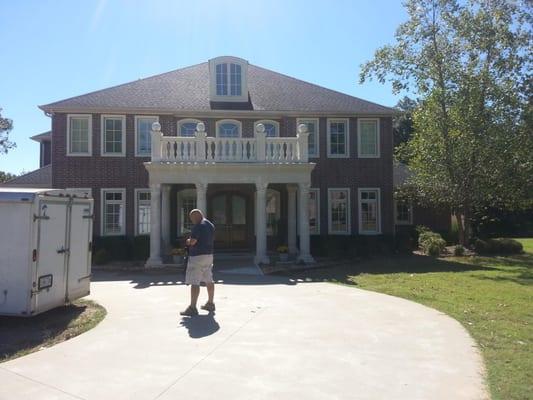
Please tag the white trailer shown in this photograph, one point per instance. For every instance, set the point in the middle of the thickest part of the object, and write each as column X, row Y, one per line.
column 45, row 249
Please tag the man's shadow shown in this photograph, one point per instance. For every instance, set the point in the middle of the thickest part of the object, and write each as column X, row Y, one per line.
column 200, row 325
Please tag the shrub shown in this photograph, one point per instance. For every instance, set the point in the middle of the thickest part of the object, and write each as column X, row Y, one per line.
column 100, row 257
column 459, row 251
column 431, row 243
column 498, row 246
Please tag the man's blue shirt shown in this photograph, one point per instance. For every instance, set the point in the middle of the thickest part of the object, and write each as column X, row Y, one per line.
column 204, row 233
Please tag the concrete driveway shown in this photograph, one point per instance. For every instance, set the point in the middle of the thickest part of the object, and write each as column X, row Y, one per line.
column 271, row 338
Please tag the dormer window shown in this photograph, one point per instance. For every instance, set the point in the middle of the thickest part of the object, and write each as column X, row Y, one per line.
column 228, row 79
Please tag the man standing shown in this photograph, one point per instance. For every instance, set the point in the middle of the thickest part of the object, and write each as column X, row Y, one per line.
column 200, row 264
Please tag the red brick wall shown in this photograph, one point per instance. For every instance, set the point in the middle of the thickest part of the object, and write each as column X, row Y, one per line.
column 128, row 172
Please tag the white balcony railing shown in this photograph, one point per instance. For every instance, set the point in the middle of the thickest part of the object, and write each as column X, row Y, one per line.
column 201, row 148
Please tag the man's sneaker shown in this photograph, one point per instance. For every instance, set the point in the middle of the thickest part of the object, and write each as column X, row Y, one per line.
column 208, row 307
column 189, row 312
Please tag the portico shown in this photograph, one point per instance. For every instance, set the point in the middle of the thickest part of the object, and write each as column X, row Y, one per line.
column 255, row 164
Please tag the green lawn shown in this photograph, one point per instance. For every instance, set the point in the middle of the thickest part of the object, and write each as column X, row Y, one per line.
column 491, row 296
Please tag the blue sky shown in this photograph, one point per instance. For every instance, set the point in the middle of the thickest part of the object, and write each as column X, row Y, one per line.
column 59, row 49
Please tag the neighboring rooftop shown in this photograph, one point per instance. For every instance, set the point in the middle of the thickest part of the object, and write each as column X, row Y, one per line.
column 42, row 136
column 400, row 173
column 39, row 178
column 187, row 89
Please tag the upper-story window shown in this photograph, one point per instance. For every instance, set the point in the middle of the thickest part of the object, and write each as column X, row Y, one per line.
column 312, row 128
column 228, row 77
column 271, row 127
column 228, row 128
column 187, row 127
column 338, row 138
column 79, row 132
column 143, row 134
column 368, row 138
column 113, row 135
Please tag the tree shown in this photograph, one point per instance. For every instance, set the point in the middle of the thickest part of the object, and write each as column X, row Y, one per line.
column 5, row 176
column 6, row 125
column 469, row 62
column 402, row 124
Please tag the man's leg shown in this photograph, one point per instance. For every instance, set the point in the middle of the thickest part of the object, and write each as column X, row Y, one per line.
column 210, row 292
column 195, row 292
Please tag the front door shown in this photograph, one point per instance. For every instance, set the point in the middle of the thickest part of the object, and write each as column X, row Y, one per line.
column 228, row 213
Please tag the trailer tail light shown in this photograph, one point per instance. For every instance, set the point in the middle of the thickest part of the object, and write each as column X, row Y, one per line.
column 34, row 255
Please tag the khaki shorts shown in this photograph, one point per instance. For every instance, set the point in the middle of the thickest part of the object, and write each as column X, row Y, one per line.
column 199, row 269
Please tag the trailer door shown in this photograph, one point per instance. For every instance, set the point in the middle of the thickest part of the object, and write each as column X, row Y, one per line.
column 79, row 263
column 49, row 286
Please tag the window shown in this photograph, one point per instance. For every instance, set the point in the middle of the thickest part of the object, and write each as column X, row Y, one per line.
column 143, row 134
column 228, row 128
column 186, row 203
column 113, row 135
column 273, row 211
column 339, row 211
column 312, row 128
column 271, row 127
column 403, row 212
column 79, row 135
column 314, row 211
column 338, row 138
column 142, row 211
column 113, row 211
column 228, row 79
column 369, row 211
column 368, row 138
column 187, row 127
column 222, row 79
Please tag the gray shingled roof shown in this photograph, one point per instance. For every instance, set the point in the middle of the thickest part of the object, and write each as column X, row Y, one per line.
column 41, row 177
column 42, row 136
column 187, row 89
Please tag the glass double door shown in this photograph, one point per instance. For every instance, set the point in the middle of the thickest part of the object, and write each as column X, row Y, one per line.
column 229, row 214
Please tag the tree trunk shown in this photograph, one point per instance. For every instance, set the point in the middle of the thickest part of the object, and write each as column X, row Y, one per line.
column 459, row 217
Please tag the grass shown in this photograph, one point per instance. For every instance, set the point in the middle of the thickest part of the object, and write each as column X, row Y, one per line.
column 491, row 296
column 20, row 336
column 527, row 243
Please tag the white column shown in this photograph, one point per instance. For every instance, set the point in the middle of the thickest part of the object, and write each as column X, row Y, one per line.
column 303, row 221
column 260, row 223
column 155, row 226
column 165, row 217
column 201, row 201
column 156, row 141
column 303, row 143
column 291, row 227
column 260, row 137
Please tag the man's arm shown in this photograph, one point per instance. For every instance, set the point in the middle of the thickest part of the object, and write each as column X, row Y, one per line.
column 191, row 241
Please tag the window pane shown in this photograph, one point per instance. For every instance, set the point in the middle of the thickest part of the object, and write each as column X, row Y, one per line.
column 270, row 129
column 337, row 138
column 113, row 213
column 187, row 203
column 235, row 79
column 369, row 206
column 222, row 79
column 144, row 139
column 188, row 129
column 339, row 211
column 112, row 135
column 273, row 211
column 313, row 212
column 368, row 138
column 79, row 135
column 228, row 129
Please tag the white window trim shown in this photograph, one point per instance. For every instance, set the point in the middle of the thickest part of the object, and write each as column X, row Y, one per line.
column 267, row 121
column 222, row 121
column 185, row 121
column 179, row 201
column 410, row 222
column 317, row 133
column 212, row 79
column 89, row 153
column 102, row 135
column 102, row 211
column 347, row 134
column 378, row 151
column 136, row 118
column 317, row 196
column 136, row 192
column 348, row 212
column 359, row 214
column 89, row 191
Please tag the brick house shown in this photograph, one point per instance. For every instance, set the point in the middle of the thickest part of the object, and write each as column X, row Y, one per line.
column 271, row 159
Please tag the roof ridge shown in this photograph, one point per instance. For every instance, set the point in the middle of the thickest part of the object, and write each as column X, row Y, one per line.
column 319, row 86
column 122, row 84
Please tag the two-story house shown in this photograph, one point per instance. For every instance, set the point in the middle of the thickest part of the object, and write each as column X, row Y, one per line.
column 271, row 159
